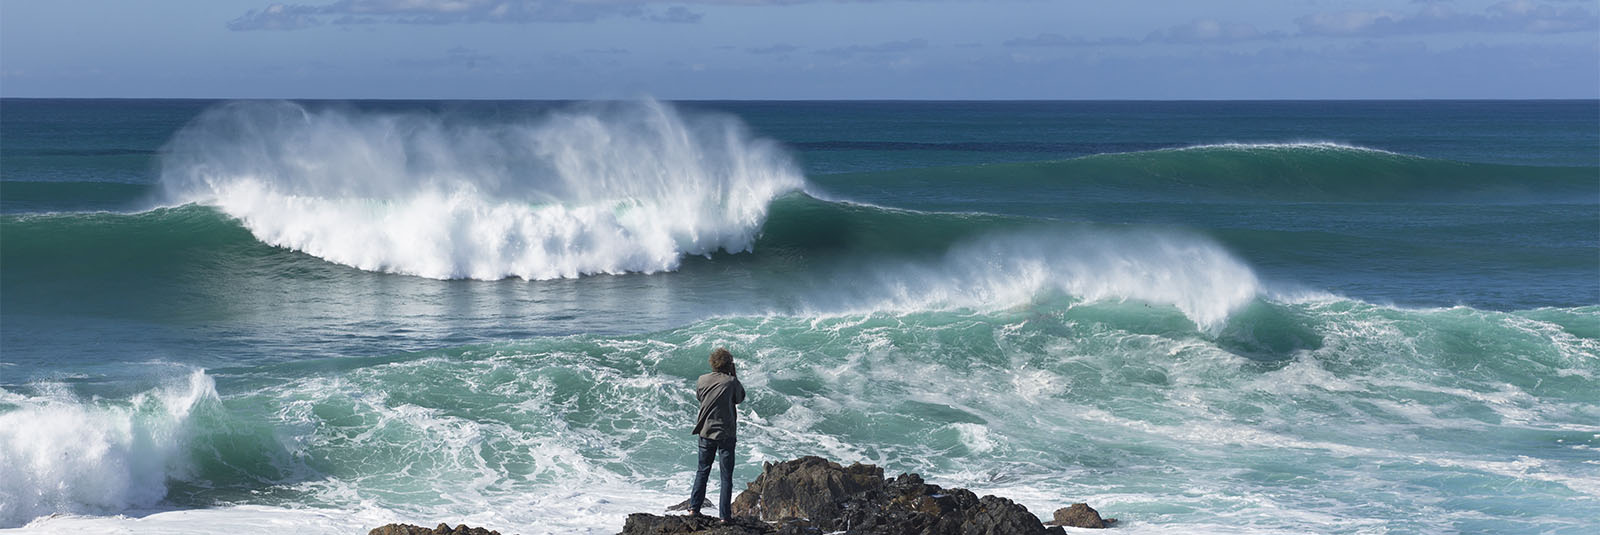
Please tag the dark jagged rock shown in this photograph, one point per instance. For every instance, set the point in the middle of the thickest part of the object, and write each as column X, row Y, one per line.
column 442, row 529
column 814, row 496
column 648, row 524
column 1080, row 515
column 858, row 500
column 808, row 487
column 908, row 505
column 797, row 526
column 1000, row 516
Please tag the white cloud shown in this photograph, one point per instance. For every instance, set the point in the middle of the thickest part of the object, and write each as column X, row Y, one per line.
column 276, row 17
column 878, row 48
column 349, row 12
column 1199, row 31
column 1058, row 40
column 780, row 48
column 1210, row 31
column 1345, row 22
column 1518, row 16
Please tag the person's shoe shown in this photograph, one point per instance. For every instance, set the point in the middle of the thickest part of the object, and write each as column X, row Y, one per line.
column 727, row 521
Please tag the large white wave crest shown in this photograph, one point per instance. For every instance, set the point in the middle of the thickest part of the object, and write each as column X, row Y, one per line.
column 596, row 188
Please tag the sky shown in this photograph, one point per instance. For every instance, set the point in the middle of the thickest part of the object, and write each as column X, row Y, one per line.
column 801, row 49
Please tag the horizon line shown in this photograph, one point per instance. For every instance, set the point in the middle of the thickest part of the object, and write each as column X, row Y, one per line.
column 484, row 99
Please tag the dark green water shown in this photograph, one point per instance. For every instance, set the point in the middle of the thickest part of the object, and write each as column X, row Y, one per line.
column 1332, row 317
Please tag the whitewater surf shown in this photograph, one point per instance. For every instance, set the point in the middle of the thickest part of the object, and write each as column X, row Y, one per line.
column 339, row 315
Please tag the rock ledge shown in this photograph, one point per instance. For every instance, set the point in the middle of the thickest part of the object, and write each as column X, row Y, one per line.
column 1080, row 515
column 442, row 529
column 814, row 496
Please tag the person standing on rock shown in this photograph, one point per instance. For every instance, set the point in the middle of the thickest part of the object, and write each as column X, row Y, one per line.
column 719, row 392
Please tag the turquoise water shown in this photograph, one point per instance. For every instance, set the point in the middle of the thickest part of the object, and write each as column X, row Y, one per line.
column 1331, row 317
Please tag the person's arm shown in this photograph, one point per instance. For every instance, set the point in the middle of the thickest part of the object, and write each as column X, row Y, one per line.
column 738, row 395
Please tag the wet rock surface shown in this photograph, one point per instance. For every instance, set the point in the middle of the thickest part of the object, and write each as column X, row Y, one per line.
column 813, row 496
column 1080, row 515
column 441, row 529
column 808, row 487
column 645, row 523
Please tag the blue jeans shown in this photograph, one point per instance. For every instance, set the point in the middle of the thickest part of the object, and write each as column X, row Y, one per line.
column 723, row 451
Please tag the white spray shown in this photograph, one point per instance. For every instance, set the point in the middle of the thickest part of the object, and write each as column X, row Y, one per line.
column 602, row 188
column 59, row 453
column 1188, row 272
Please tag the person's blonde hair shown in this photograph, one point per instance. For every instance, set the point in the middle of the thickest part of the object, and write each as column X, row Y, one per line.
column 722, row 361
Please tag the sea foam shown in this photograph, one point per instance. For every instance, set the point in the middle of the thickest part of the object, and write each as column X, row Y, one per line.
column 62, row 454
column 597, row 188
column 1284, row 146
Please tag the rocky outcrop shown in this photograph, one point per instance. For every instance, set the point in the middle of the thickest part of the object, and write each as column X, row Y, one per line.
column 907, row 504
column 1080, row 515
column 808, row 487
column 442, row 529
column 648, row 524
column 813, row 496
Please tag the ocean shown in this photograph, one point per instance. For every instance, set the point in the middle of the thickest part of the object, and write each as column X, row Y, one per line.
column 1198, row 317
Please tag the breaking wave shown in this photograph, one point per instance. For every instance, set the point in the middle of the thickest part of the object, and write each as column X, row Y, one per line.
column 600, row 188
column 65, row 454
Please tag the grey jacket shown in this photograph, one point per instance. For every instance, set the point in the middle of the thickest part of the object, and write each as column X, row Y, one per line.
column 718, row 393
